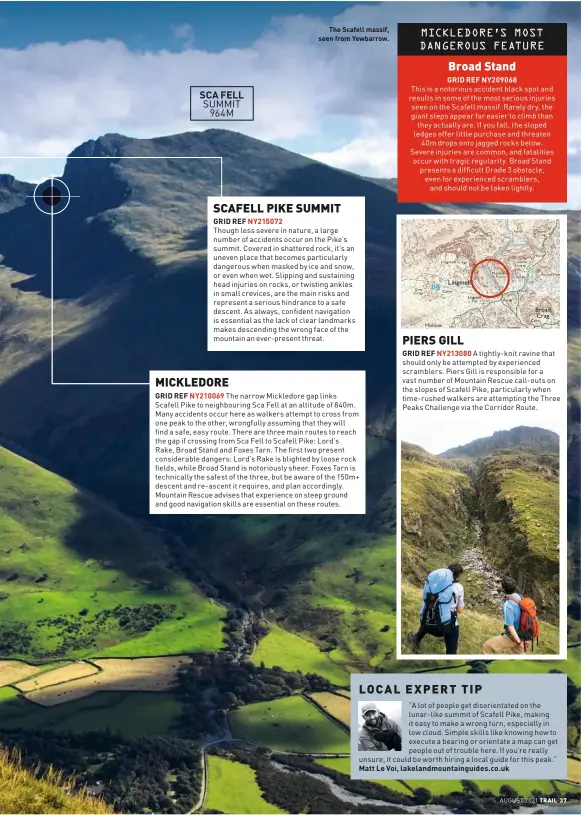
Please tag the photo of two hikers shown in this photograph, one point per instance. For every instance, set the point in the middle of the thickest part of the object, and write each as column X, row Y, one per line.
column 481, row 554
column 443, row 603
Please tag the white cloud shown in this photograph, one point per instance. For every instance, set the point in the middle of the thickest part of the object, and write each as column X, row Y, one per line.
column 185, row 33
column 56, row 96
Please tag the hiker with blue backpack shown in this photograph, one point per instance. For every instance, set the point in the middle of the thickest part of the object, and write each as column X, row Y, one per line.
column 442, row 602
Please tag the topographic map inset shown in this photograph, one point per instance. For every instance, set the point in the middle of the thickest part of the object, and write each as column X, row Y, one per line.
column 480, row 272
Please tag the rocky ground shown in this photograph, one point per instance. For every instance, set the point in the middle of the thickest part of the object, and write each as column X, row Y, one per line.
column 481, row 581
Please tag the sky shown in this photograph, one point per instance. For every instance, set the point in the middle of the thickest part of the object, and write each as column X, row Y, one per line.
column 455, row 430
column 72, row 71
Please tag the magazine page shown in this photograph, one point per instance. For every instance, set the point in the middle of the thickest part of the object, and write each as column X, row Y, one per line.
column 290, row 382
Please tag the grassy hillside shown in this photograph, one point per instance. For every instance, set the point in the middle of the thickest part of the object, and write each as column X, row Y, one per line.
column 22, row 792
column 328, row 578
column 571, row 666
column 436, row 498
column 78, row 578
column 519, row 498
column 347, row 605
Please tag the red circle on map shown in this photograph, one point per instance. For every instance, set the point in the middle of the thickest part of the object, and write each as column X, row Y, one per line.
column 505, row 270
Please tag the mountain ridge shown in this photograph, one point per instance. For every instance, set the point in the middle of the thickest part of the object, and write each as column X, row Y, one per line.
column 130, row 299
column 13, row 193
column 130, row 291
column 527, row 436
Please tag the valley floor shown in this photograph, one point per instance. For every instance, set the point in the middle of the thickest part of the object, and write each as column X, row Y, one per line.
column 117, row 677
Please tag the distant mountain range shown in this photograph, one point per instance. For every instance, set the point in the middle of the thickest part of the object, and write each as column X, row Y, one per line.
column 532, row 438
column 130, row 296
column 130, row 293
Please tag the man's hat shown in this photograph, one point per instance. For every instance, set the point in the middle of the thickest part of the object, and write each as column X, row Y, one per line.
column 369, row 706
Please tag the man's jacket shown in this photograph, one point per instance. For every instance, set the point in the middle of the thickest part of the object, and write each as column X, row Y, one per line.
column 386, row 735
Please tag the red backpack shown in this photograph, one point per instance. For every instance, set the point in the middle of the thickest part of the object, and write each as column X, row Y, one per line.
column 529, row 625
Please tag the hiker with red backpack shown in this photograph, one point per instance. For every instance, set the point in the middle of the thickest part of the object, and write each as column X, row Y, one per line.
column 521, row 624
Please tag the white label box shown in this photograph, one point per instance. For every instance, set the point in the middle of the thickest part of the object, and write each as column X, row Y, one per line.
column 234, row 103
column 269, row 442
column 286, row 274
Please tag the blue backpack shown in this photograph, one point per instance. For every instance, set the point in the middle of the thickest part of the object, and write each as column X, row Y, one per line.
column 435, row 614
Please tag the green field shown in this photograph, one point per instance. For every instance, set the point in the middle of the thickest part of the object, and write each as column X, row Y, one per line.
column 571, row 666
column 574, row 770
column 291, row 724
column 131, row 714
column 475, row 629
column 435, row 786
column 78, row 578
column 232, row 787
column 289, row 651
column 568, row 787
column 6, row 695
column 339, row 707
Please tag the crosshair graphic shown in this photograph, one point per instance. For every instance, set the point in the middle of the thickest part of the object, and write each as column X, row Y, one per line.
column 52, row 196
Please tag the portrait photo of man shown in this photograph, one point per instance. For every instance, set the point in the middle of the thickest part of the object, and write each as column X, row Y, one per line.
column 379, row 726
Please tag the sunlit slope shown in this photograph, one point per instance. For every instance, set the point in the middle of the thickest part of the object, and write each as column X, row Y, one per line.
column 23, row 792
column 79, row 578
